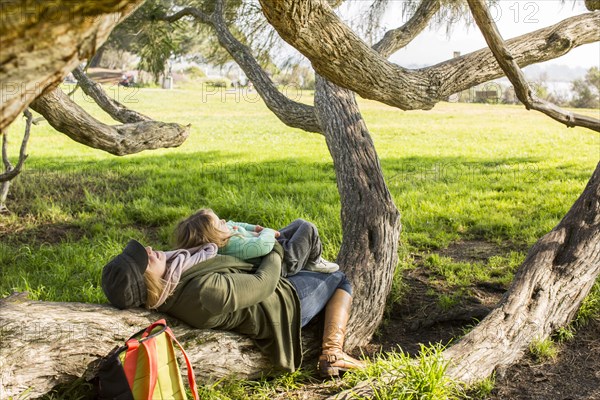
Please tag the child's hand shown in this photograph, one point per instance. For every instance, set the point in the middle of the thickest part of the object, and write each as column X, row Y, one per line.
column 277, row 234
column 258, row 228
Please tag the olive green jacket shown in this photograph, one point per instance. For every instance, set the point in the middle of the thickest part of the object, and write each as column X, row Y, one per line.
column 229, row 294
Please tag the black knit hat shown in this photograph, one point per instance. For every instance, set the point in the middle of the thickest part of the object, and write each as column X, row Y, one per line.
column 123, row 277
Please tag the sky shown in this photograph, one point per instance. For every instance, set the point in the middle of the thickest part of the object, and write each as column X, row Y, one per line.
column 513, row 18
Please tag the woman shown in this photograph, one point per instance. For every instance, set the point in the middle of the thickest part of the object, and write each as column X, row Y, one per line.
column 210, row 291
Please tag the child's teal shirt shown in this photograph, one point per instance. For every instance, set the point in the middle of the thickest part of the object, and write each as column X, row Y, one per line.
column 245, row 243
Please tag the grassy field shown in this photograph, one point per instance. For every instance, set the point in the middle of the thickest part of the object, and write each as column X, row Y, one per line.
column 460, row 172
column 457, row 172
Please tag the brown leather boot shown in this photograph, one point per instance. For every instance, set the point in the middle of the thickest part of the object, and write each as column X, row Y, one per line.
column 333, row 360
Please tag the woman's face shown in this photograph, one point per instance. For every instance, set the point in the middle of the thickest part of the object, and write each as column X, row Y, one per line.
column 157, row 261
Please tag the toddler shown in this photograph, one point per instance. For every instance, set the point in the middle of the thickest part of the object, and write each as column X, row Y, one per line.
column 300, row 241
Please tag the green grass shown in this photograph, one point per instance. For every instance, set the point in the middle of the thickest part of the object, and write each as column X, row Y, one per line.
column 497, row 174
column 494, row 173
column 543, row 350
column 420, row 378
column 482, row 389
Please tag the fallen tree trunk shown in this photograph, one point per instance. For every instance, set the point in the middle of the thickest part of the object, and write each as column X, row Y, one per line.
column 45, row 344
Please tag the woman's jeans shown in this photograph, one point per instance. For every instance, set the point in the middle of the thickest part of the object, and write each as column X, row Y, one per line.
column 315, row 289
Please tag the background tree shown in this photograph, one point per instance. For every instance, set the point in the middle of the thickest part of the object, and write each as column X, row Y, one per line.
column 586, row 91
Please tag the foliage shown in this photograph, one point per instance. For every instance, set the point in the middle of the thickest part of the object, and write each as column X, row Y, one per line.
column 590, row 308
column 153, row 40
column 216, row 82
column 587, row 90
column 194, row 72
column 482, row 389
column 422, row 378
column 543, row 350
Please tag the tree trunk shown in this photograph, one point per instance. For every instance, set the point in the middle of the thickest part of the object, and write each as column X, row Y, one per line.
column 370, row 220
column 43, row 41
column 46, row 343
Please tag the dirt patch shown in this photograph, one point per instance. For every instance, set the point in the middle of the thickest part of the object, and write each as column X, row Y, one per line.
column 574, row 375
column 46, row 233
column 420, row 319
column 470, row 250
column 476, row 250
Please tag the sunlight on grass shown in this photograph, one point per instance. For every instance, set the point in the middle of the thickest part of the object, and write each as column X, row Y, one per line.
column 420, row 378
column 458, row 172
column 543, row 350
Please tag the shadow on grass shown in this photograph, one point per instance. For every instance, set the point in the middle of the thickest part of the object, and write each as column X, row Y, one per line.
column 66, row 212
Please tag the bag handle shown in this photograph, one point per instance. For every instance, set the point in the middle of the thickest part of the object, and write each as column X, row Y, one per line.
column 190, row 370
column 151, row 353
column 129, row 363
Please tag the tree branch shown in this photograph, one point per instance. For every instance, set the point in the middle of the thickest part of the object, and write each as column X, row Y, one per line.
column 508, row 64
column 10, row 172
column 395, row 39
column 67, row 117
column 291, row 113
column 112, row 107
column 341, row 56
column 194, row 12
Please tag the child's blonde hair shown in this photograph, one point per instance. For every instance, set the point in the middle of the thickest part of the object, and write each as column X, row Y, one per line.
column 198, row 229
column 155, row 285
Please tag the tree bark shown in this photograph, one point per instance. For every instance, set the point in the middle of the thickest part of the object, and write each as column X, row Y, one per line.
column 395, row 39
column 339, row 55
column 370, row 220
column 46, row 343
column 43, row 41
column 67, row 117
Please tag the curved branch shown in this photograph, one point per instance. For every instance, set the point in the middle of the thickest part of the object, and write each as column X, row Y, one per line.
column 198, row 14
column 504, row 57
column 291, row 113
column 112, row 107
column 338, row 54
column 395, row 39
column 67, row 117
column 10, row 171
